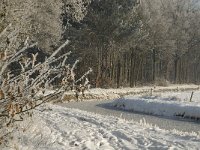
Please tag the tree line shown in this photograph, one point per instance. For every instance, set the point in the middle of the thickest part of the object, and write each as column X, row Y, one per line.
column 130, row 43
column 126, row 43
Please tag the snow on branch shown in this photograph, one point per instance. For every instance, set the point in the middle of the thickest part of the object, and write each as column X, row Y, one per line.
column 14, row 58
column 58, row 50
column 84, row 76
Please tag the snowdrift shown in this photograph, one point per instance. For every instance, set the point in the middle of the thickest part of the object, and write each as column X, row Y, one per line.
column 160, row 106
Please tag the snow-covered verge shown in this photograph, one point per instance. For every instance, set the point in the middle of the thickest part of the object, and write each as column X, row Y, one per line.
column 180, row 96
column 61, row 128
column 147, row 89
column 99, row 93
column 164, row 104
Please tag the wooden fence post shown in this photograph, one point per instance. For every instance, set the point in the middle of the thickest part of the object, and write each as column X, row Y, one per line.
column 191, row 96
column 151, row 92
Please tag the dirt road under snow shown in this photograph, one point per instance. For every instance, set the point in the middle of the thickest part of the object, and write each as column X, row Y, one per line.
column 103, row 108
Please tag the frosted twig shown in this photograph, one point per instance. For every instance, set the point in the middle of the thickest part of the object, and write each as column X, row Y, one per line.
column 88, row 72
column 64, row 61
column 22, row 67
column 58, row 50
column 15, row 58
column 34, row 58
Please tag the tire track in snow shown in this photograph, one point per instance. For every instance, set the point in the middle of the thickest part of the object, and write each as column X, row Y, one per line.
column 61, row 128
column 103, row 108
column 111, row 134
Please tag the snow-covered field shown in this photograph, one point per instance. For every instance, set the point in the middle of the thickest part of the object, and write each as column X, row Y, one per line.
column 145, row 89
column 70, row 129
column 163, row 104
column 180, row 96
column 102, row 94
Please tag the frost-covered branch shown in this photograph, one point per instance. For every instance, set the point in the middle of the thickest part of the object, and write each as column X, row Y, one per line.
column 58, row 50
column 14, row 58
column 84, row 76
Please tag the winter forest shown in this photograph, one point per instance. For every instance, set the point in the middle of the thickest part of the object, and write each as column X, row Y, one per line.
column 126, row 43
column 56, row 50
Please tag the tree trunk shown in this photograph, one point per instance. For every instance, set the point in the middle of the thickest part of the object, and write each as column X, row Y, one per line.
column 154, row 66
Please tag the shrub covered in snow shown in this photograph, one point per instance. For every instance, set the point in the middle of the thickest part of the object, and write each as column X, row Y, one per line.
column 19, row 93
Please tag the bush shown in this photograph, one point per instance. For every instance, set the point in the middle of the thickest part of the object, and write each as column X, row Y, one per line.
column 19, row 93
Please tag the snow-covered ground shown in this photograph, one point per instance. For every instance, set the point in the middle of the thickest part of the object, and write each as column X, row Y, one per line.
column 70, row 129
column 56, row 127
column 144, row 89
column 180, row 96
column 163, row 104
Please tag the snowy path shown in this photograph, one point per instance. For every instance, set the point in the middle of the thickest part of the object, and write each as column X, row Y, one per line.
column 101, row 107
column 60, row 128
